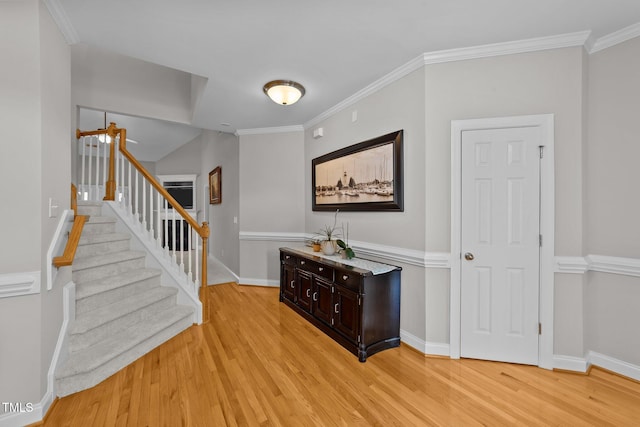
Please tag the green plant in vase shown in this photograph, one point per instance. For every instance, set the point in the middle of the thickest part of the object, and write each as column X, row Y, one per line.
column 328, row 236
column 346, row 250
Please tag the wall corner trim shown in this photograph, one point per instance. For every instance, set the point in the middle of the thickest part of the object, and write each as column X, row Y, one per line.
column 62, row 21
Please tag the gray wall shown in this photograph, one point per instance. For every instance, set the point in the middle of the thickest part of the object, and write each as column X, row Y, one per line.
column 271, row 199
column 35, row 83
column 612, row 203
column 222, row 149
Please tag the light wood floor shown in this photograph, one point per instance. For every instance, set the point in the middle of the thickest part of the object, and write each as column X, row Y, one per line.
column 259, row 364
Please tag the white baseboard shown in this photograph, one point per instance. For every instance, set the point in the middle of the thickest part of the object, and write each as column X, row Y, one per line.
column 258, row 282
column 435, row 349
column 592, row 358
column 217, row 261
column 570, row 363
column 614, row 365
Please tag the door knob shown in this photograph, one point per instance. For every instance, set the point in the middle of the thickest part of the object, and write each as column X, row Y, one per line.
column 468, row 256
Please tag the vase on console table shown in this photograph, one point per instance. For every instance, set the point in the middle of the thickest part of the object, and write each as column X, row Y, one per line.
column 328, row 247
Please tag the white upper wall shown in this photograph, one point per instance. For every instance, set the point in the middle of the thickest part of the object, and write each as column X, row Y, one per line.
column 541, row 82
column 107, row 81
column 613, row 205
column 20, row 151
column 271, row 182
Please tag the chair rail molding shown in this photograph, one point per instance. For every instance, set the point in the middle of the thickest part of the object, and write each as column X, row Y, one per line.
column 388, row 253
column 599, row 263
column 18, row 284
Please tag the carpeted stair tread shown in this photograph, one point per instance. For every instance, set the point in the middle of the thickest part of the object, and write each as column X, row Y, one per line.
column 90, row 239
column 93, row 357
column 108, row 313
column 98, row 286
column 105, row 259
column 99, row 219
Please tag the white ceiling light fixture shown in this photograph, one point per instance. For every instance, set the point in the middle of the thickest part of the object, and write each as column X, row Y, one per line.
column 284, row 92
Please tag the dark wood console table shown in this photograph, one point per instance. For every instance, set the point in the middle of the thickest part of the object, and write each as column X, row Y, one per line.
column 357, row 307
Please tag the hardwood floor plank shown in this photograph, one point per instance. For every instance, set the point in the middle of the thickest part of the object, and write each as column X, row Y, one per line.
column 257, row 363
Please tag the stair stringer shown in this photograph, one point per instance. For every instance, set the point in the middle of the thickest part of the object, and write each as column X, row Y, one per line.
column 171, row 274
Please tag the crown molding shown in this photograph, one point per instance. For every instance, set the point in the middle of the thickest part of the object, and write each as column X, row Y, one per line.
column 451, row 55
column 394, row 75
column 507, row 48
column 263, row 131
column 615, row 38
column 62, row 21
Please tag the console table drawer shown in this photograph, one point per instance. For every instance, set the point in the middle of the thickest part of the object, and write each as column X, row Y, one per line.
column 316, row 268
column 289, row 259
column 348, row 279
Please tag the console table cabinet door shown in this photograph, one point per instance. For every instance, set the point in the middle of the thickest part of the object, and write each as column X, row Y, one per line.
column 305, row 284
column 322, row 300
column 288, row 284
column 346, row 312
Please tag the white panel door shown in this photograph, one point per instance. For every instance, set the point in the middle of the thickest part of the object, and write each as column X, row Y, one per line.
column 500, row 244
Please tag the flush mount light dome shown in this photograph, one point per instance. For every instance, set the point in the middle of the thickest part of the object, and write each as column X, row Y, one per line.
column 284, row 92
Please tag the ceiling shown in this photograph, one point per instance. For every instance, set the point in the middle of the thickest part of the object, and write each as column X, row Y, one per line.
column 335, row 48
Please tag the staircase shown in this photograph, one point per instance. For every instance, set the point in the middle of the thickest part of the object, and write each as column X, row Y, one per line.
column 122, row 312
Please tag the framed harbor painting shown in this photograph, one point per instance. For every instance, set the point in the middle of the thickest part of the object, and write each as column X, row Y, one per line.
column 363, row 177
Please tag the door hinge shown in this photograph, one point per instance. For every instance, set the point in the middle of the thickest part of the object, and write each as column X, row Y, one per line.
column 541, row 147
column 540, row 240
column 358, row 339
column 359, row 300
column 539, row 328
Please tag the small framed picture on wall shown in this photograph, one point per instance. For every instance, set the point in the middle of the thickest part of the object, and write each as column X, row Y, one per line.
column 215, row 186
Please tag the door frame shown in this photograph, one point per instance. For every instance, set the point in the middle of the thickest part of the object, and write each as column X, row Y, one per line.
column 547, row 225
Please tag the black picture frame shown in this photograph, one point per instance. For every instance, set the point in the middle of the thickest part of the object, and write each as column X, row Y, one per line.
column 362, row 177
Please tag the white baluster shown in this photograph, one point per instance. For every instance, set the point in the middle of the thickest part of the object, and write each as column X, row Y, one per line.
column 196, row 283
column 144, row 205
column 165, row 236
column 151, row 211
column 158, row 222
column 173, row 231
column 189, row 236
column 97, row 183
column 130, row 206
column 83, row 142
column 136, row 195
column 118, row 167
column 104, row 167
column 89, row 183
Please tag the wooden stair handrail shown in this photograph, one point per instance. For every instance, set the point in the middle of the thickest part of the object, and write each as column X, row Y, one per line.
column 74, row 200
column 72, row 244
column 112, row 131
